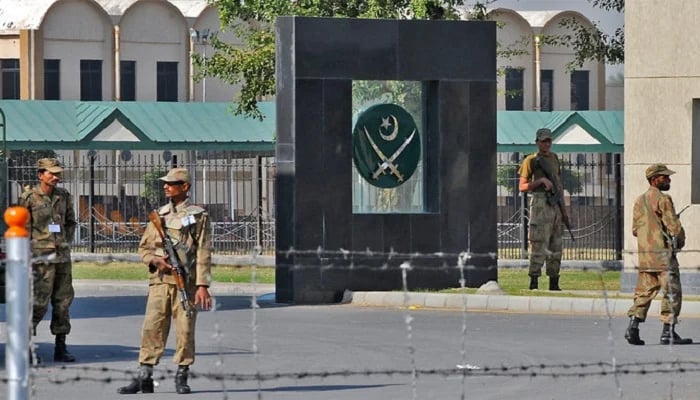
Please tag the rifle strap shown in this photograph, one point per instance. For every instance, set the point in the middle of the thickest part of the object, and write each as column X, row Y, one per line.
column 659, row 223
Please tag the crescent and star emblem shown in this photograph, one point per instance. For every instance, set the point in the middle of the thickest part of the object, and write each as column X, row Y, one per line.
column 385, row 124
column 386, row 145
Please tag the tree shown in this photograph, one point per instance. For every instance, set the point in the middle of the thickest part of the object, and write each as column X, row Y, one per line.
column 590, row 43
column 252, row 64
column 153, row 195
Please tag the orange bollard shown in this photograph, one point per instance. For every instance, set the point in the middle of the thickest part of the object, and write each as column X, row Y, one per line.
column 17, row 292
column 16, row 219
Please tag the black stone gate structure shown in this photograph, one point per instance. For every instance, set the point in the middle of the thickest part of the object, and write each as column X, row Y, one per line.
column 317, row 61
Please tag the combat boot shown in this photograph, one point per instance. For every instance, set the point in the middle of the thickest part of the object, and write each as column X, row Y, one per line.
column 143, row 382
column 533, row 283
column 60, row 352
column 554, row 283
column 632, row 333
column 669, row 336
column 181, row 386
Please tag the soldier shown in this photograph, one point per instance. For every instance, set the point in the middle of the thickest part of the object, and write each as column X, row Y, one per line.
column 51, row 225
column 187, row 225
column 545, row 234
column 659, row 235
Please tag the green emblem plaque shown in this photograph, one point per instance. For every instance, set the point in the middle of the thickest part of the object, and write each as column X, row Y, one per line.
column 386, row 145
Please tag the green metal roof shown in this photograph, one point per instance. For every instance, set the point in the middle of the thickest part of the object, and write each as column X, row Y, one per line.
column 44, row 124
column 516, row 130
column 150, row 125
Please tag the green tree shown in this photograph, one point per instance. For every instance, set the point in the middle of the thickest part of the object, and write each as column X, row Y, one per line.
column 591, row 43
column 153, row 194
column 252, row 63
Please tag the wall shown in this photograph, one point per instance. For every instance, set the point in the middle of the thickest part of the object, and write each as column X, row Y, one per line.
column 661, row 81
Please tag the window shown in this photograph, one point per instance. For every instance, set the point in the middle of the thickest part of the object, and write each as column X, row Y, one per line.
column 514, row 89
column 127, row 80
column 546, row 90
column 579, row 90
column 52, row 73
column 90, row 80
column 9, row 81
column 166, row 81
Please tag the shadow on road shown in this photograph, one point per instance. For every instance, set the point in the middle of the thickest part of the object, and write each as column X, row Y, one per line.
column 123, row 306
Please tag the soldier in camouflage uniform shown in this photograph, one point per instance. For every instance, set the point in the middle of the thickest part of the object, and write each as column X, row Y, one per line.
column 52, row 224
column 187, row 225
column 659, row 234
column 545, row 230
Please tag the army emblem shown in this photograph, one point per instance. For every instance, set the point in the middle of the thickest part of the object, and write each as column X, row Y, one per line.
column 386, row 145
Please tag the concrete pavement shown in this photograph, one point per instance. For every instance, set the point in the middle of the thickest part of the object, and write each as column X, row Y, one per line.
column 597, row 304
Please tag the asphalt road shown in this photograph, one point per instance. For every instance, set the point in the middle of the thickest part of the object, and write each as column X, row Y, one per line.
column 368, row 353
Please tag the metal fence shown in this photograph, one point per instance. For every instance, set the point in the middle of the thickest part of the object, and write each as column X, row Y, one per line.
column 114, row 191
column 593, row 185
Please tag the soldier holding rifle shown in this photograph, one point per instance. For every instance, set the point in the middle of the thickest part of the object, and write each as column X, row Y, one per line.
column 176, row 249
column 659, row 235
column 540, row 174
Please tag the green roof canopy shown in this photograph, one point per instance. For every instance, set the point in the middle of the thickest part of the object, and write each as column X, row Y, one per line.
column 573, row 131
column 135, row 125
column 99, row 125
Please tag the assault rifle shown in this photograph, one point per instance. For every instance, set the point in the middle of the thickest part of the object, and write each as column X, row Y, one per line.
column 554, row 197
column 174, row 260
column 674, row 239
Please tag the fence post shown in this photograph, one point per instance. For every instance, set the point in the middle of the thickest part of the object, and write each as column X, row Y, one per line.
column 618, row 207
column 523, row 226
column 4, row 173
column 258, row 161
column 17, row 267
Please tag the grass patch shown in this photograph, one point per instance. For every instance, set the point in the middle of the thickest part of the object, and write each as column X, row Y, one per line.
column 139, row 272
column 515, row 281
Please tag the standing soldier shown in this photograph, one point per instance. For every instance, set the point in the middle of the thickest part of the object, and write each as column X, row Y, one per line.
column 545, row 234
column 51, row 225
column 659, row 235
column 187, row 226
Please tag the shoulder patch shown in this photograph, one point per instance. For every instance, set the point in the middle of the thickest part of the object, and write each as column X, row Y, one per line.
column 193, row 209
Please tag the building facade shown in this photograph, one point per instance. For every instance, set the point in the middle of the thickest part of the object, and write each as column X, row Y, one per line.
column 107, row 50
column 142, row 49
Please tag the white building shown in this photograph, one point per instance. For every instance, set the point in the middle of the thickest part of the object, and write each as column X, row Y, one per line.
column 107, row 50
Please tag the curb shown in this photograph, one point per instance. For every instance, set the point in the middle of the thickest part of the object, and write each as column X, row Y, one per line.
column 515, row 304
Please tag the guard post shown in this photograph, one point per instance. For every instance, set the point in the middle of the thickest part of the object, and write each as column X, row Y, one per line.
column 17, row 265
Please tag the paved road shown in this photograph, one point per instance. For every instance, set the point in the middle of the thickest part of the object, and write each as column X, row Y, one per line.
column 532, row 351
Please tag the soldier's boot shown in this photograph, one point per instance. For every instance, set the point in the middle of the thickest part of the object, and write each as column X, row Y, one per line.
column 143, row 382
column 533, row 283
column 554, row 283
column 632, row 332
column 181, row 386
column 60, row 352
column 669, row 335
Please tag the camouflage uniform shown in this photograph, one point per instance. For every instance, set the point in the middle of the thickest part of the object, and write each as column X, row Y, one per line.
column 545, row 229
column 51, row 225
column 654, row 223
column 188, row 227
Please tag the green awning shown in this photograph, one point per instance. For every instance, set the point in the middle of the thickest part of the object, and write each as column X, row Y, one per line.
column 100, row 125
column 573, row 131
column 140, row 125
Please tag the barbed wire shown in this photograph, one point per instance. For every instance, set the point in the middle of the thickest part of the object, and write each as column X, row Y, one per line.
column 460, row 262
column 558, row 370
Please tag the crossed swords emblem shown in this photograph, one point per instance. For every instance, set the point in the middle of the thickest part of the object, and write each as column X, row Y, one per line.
column 387, row 163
